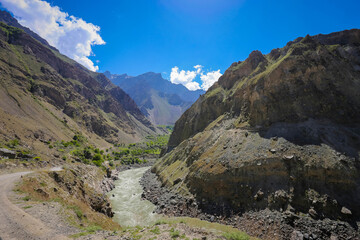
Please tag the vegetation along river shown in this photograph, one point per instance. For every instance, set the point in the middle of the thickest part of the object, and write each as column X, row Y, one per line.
column 130, row 210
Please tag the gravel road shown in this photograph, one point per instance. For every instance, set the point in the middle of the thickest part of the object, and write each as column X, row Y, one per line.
column 15, row 223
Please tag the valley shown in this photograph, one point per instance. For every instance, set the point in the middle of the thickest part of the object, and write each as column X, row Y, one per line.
column 269, row 151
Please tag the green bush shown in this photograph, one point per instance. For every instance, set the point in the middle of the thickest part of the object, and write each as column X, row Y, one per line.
column 156, row 230
column 13, row 143
column 97, row 157
column 174, row 233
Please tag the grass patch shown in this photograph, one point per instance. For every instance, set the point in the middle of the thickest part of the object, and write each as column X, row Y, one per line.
column 217, row 227
column 86, row 231
column 26, row 207
column 77, row 211
column 27, row 198
column 236, row 236
column 156, row 230
column 160, row 222
column 174, row 233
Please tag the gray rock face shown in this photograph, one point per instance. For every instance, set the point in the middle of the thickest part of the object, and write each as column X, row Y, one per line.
column 7, row 153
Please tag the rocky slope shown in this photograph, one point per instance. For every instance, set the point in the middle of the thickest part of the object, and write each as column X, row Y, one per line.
column 46, row 96
column 81, row 188
column 278, row 131
column 160, row 100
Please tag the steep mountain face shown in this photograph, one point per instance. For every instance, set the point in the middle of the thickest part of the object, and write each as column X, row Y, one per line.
column 280, row 130
column 160, row 100
column 6, row 18
column 47, row 96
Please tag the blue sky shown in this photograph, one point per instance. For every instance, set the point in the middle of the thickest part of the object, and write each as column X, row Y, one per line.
column 157, row 35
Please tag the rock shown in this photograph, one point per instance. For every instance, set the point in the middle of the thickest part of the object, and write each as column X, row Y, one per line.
column 7, row 153
column 346, row 211
column 296, row 235
column 212, row 218
column 177, row 181
column 273, row 151
column 313, row 213
column 288, row 157
column 173, row 202
column 259, row 195
column 108, row 172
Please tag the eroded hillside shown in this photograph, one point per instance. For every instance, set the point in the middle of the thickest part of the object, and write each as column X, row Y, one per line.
column 278, row 131
column 45, row 96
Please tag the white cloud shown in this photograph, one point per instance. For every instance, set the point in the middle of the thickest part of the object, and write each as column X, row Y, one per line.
column 209, row 79
column 71, row 35
column 198, row 68
column 187, row 78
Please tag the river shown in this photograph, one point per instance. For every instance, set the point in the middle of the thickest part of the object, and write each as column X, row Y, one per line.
column 130, row 210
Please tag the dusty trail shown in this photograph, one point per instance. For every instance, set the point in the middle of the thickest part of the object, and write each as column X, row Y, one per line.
column 15, row 223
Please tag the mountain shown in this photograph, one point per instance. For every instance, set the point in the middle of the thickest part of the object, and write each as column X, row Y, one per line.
column 46, row 96
column 6, row 18
column 278, row 131
column 160, row 100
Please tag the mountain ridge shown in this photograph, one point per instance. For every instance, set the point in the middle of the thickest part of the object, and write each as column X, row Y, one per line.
column 278, row 131
column 42, row 86
column 159, row 99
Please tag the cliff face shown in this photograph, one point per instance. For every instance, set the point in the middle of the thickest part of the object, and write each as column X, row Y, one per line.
column 311, row 77
column 280, row 130
column 45, row 93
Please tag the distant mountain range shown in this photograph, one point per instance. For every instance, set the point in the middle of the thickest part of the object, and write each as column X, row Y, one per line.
column 160, row 100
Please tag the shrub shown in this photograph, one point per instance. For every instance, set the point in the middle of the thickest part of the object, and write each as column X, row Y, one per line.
column 97, row 157
column 37, row 158
column 174, row 233
column 156, row 230
column 13, row 143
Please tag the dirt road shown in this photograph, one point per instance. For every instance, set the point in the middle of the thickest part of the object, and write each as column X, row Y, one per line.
column 15, row 223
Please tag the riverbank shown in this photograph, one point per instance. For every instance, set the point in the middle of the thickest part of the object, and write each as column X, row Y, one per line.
column 265, row 224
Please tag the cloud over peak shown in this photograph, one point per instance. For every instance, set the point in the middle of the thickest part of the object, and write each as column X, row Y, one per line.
column 71, row 35
column 187, row 78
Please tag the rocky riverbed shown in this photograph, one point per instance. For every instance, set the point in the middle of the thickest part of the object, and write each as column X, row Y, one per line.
column 265, row 224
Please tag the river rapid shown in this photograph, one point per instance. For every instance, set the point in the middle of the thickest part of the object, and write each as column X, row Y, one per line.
column 130, row 210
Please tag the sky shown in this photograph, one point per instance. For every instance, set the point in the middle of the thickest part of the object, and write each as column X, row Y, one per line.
column 191, row 42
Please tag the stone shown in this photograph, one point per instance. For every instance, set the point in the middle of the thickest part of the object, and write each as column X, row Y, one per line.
column 296, row 235
column 346, row 211
column 259, row 195
column 7, row 153
column 273, row 151
column 288, row 157
column 313, row 213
